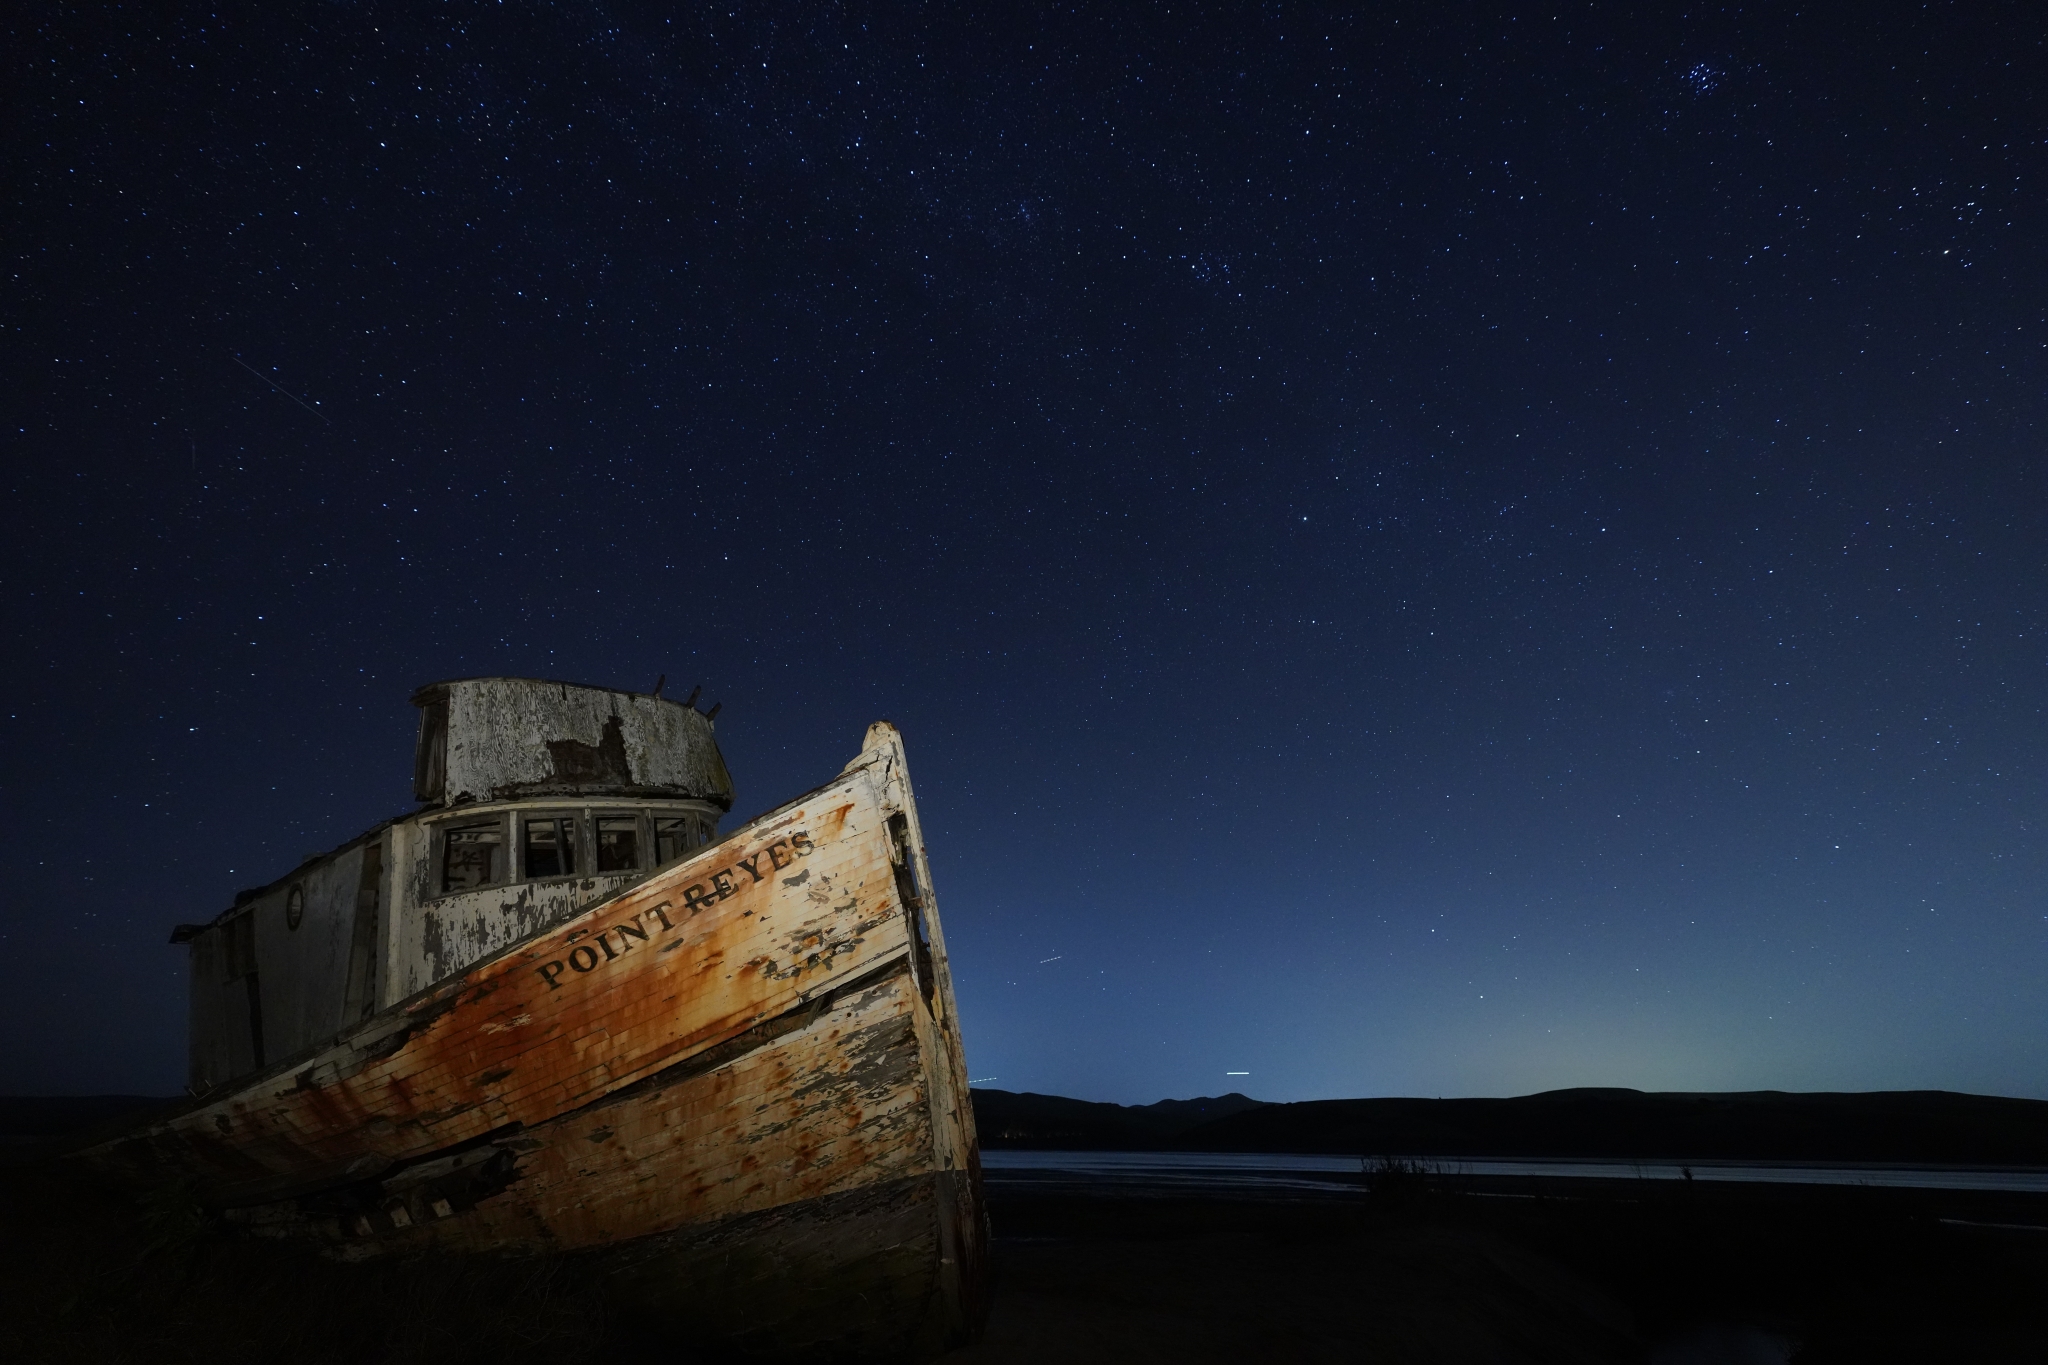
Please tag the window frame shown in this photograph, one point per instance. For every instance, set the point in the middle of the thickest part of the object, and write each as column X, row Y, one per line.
column 437, row 866
column 643, row 847
column 579, row 824
column 695, row 821
column 512, row 818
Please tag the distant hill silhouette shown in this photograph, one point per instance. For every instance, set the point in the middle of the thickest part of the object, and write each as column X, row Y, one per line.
column 1916, row 1126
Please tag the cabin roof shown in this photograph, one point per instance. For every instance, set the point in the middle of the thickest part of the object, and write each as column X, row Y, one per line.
column 425, row 691
column 500, row 738
column 496, row 738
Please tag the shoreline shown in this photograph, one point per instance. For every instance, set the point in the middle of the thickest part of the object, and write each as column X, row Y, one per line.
column 1501, row 1269
column 1399, row 1264
column 1181, row 1167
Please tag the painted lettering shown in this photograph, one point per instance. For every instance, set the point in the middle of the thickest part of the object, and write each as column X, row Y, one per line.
column 720, row 885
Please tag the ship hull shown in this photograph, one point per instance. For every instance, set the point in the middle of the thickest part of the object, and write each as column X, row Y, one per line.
column 737, row 1088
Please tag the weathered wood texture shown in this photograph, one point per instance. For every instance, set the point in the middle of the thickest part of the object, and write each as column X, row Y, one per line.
column 511, row 737
column 303, row 970
column 817, row 1102
column 433, row 936
column 608, row 997
column 766, row 1027
column 378, row 920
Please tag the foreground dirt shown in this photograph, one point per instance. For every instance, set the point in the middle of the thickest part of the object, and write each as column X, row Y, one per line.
column 95, row 1277
column 1417, row 1274
column 1427, row 1294
column 1523, row 1272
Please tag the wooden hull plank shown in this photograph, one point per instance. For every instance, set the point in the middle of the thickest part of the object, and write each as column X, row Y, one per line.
column 739, row 1084
column 743, row 931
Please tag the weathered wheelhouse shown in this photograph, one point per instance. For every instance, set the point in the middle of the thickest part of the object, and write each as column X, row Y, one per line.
column 537, row 800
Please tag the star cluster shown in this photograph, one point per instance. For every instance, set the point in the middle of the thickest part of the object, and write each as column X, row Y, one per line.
column 1415, row 551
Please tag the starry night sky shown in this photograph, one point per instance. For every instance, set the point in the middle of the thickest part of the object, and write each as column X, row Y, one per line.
column 1426, row 552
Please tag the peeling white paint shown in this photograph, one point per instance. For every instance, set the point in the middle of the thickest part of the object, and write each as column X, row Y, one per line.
column 506, row 748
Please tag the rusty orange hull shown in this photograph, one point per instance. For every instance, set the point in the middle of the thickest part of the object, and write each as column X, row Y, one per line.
column 740, row 1080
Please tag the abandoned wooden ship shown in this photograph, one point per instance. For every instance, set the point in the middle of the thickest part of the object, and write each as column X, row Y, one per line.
column 554, row 1011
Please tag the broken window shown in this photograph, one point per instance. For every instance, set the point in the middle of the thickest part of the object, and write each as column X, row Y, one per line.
column 675, row 835
column 472, row 856
column 550, row 846
column 618, row 843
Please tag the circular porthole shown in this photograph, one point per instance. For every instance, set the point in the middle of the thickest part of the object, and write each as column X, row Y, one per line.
column 294, row 907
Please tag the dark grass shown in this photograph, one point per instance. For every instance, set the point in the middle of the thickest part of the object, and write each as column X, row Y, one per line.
column 1852, row 1274
column 1427, row 1267
column 94, row 1276
column 1411, row 1265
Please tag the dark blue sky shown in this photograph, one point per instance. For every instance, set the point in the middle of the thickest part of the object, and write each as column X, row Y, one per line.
column 1435, row 552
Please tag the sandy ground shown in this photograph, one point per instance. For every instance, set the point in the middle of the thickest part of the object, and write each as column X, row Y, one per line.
column 1757, row 1276
column 1422, row 1294
column 1418, row 1276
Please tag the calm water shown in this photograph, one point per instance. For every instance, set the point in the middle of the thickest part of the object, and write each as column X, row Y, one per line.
column 1247, row 1171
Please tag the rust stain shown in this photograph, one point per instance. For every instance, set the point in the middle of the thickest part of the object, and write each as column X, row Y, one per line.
column 742, row 1033
column 579, row 1011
